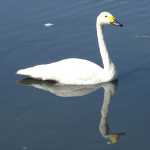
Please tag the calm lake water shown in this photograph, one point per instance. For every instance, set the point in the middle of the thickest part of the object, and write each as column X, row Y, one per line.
column 80, row 118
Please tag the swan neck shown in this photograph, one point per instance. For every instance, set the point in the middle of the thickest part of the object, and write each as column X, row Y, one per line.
column 102, row 46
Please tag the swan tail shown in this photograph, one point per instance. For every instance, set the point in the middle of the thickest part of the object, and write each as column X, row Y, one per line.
column 40, row 72
column 22, row 72
column 25, row 72
column 32, row 72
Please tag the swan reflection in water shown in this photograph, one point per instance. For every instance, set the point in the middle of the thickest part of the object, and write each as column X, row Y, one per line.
column 110, row 136
column 81, row 90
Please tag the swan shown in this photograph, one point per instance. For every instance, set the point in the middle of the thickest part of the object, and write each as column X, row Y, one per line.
column 76, row 71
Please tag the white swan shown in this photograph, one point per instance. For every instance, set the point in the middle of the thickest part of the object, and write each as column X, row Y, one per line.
column 77, row 71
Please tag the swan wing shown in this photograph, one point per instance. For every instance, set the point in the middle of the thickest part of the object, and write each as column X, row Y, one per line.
column 66, row 71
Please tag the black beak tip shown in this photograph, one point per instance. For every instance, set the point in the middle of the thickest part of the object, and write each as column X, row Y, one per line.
column 121, row 25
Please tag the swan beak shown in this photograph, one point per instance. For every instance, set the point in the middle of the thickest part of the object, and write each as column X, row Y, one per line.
column 114, row 21
column 117, row 23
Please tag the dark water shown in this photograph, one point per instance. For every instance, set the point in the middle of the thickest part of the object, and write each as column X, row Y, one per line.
column 33, row 119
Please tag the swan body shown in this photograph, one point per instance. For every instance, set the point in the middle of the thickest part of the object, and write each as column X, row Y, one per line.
column 81, row 71
column 78, row 71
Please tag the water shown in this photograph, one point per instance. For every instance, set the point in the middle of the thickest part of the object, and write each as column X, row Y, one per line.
column 35, row 119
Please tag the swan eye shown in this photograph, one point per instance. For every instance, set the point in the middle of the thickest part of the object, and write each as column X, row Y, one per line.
column 106, row 16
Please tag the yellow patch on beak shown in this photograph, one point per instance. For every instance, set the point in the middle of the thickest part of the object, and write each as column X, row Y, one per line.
column 112, row 19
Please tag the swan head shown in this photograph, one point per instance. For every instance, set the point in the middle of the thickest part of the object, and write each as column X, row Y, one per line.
column 107, row 18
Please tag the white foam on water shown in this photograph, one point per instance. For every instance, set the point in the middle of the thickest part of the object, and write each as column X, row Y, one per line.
column 48, row 24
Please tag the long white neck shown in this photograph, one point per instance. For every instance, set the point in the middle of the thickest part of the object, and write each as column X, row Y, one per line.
column 102, row 46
